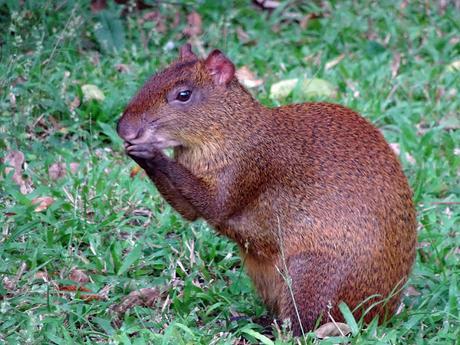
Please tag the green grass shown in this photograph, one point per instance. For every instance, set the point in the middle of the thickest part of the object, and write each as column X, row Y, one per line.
column 125, row 237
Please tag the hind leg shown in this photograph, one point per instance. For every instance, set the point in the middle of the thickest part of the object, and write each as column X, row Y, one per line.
column 314, row 283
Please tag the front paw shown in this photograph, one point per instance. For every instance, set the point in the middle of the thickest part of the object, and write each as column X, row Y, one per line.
column 142, row 151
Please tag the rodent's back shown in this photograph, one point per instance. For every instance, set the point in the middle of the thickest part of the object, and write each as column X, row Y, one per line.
column 341, row 161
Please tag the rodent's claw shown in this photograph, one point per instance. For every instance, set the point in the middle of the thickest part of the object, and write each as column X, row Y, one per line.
column 145, row 151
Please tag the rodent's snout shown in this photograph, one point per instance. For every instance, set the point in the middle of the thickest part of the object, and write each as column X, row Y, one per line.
column 126, row 131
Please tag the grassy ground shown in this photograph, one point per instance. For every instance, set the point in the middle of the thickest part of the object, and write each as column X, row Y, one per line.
column 113, row 229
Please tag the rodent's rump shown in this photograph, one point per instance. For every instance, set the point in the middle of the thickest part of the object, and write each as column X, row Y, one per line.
column 309, row 190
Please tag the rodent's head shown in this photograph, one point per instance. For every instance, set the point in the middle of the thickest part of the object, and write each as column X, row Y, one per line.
column 182, row 105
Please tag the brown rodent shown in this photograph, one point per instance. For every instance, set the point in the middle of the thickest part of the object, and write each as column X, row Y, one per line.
column 312, row 194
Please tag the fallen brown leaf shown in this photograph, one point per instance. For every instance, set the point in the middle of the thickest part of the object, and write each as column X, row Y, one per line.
column 451, row 121
column 176, row 21
column 151, row 16
column 43, row 203
column 134, row 171
column 154, row 16
column 248, row 78
column 352, row 86
column 98, row 5
column 454, row 40
column 267, row 4
column 78, row 276
column 332, row 329
column 84, row 297
column 193, row 25
column 15, row 159
column 395, row 64
column 56, row 171
column 145, row 297
column 74, row 104
column 12, row 97
column 411, row 291
column 74, row 167
column 122, row 68
column 243, row 36
column 41, row 275
column 397, row 150
column 9, row 283
column 423, row 244
column 59, row 170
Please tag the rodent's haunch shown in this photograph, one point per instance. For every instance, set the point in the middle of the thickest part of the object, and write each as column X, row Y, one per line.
column 308, row 191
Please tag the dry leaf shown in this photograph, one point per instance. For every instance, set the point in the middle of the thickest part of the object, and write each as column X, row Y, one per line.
column 353, row 88
column 450, row 121
column 78, row 276
column 176, row 20
column 12, row 97
column 397, row 149
column 332, row 329
column 151, row 16
column 74, row 167
column 247, row 78
column 41, row 275
column 145, row 297
column 331, row 64
column 92, row 92
column 423, row 244
column 15, row 159
column 134, row 171
column 9, row 283
column 454, row 40
column 303, row 22
column 122, row 68
column 154, row 16
column 267, row 4
column 98, row 5
column 43, row 203
column 56, row 171
column 193, row 25
column 243, row 36
column 395, row 65
column 411, row 291
column 87, row 297
column 74, row 104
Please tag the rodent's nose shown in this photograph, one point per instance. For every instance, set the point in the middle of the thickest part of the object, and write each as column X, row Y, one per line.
column 126, row 131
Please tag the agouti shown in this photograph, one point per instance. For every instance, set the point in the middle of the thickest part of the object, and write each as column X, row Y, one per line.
column 312, row 194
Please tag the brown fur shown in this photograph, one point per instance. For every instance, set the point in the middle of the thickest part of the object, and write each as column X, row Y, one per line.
column 309, row 191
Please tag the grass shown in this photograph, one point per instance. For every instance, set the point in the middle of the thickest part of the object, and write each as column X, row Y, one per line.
column 120, row 233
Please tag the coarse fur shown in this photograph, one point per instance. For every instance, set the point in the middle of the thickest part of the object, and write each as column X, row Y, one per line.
column 308, row 191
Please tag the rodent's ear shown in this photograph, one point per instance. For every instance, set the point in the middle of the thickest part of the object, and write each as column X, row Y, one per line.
column 220, row 67
column 186, row 53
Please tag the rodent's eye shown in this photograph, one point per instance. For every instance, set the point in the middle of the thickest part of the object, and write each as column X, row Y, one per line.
column 184, row 96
